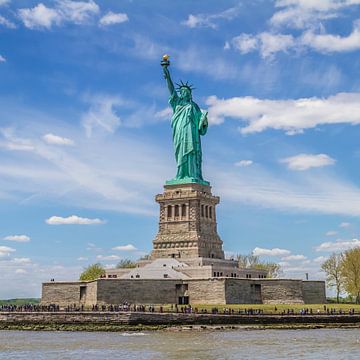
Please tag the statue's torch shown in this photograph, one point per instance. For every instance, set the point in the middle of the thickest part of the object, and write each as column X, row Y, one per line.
column 165, row 61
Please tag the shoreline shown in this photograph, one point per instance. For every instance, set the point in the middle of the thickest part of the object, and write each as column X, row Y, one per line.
column 168, row 328
column 141, row 321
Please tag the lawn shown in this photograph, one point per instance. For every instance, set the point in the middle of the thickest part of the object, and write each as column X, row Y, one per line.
column 273, row 308
column 20, row 301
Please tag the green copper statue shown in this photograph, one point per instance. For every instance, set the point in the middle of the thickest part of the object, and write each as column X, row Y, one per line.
column 188, row 123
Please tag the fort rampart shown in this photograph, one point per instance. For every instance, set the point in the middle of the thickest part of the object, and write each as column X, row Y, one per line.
column 9, row 319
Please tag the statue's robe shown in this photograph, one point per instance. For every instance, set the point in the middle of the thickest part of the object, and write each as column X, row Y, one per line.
column 188, row 123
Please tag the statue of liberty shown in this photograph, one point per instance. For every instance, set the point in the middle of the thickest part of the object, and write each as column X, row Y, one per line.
column 188, row 123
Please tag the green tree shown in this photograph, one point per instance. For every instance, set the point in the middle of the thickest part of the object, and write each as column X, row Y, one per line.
column 126, row 264
column 333, row 269
column 92, row 272
column 273, row 270
column 247, row 261
column 350, row 271
column 251, row 261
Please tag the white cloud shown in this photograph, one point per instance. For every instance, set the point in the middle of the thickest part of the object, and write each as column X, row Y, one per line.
column 113, row 18
column 301, row 14
column 82, row 258
column 267, row 43
column 338, row 245
column 164, row 113
column 320, row 259
column 292, row 116
column 18, row 238
column 331, row 233
column 307, row 16
column 95, row 180
column 6, row 251
column 301, row 192
column 128, row 247
column 273, row 43
column 209, row 20
column 344, row 225
column 303, row 162
column 40, row 16
column 270, row 252
column 108, row 257
column 57, row 140
column 245, row 43
column 4, row 2
column 293, row 258
column 7, row 23
column 73, row 220
column 243, row 163
column 78, row 12
column 328, row 43
column 102, row 114
column 284, row 264
column 22, row 260
column 20, row 271
column 2, row 59
column 13, row 285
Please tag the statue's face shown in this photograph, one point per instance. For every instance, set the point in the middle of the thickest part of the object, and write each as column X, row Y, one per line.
column 185, row 93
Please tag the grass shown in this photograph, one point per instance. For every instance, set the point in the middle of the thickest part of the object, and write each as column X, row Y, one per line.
column 270, row 308
column 20, row 301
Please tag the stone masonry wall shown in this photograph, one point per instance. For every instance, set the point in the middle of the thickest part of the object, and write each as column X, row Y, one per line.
column 200, row 291
column 61, row 293
column 113, row 291
column 113, row 318
column 242, row 292
column 206, row 291
column 314, row 292
column 91, row 293
column 281, row 291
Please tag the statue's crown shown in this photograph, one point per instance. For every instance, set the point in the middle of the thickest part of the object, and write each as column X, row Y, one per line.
column 185, row 85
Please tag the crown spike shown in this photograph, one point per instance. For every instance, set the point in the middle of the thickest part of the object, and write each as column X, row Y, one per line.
column 186, row 85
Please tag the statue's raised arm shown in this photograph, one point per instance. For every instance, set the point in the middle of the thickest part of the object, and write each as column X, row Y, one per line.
column 165, row 64
column 188, row 122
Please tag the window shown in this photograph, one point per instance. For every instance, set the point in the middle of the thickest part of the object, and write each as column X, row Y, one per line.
column 202, row 210
column 210, row 212
column 206, row 211
column 183, row 210
column 176, row 210
column 82, row 292
column 169, row 214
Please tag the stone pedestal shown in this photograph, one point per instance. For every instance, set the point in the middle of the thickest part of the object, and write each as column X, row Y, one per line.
column 187, row 226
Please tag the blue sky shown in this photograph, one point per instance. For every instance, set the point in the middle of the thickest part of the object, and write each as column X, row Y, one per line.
column 85, row 138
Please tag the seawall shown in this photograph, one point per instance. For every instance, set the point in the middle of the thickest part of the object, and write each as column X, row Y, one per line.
column 112, row 320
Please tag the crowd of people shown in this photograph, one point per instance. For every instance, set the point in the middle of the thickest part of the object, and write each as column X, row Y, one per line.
column 185, row 309
column 30, row 308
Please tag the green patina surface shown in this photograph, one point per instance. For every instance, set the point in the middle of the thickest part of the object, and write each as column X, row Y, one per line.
column 186, row 180
column 188, row 123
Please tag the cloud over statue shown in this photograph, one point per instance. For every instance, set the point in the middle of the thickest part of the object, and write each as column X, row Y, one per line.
column 187, row 263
